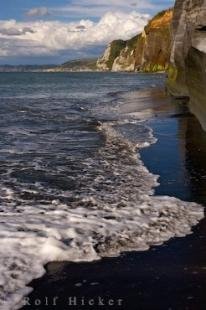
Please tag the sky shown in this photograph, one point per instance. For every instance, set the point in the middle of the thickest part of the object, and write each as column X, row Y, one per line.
column 54, row 31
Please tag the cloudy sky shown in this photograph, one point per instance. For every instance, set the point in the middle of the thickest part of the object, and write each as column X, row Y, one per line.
column 53, row 31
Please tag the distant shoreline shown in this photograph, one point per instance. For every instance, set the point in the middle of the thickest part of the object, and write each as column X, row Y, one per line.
column 80, row 71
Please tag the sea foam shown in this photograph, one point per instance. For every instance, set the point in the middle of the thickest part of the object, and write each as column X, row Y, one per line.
column 114, row 211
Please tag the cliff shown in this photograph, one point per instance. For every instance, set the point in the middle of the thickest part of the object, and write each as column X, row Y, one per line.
column 187, row 72
column 147, row 52
column 126, row 58
column 112, row 51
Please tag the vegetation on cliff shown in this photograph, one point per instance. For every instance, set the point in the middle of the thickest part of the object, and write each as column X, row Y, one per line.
column 116, row 48
column 85, row 64
column 113, row 51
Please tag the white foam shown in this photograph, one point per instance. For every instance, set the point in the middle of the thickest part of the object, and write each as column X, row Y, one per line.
column 114, row 212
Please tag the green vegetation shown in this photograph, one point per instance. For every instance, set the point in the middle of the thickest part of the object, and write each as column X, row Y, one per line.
column 154, row 68
column 132, row 43
column 172, row 73
column 78, row 64
column 116, row 47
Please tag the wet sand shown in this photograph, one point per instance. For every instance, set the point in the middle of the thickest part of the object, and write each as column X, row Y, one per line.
column 171, row 276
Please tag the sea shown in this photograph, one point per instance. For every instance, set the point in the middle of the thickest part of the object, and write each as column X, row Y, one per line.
column 73, row 186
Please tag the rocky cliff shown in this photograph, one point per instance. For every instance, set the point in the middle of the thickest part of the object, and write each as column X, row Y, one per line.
column 148, row 51
column 112, row 51
column 187, row 72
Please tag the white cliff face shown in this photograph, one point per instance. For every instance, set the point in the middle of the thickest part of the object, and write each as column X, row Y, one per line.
column 189, row 55
column 125, row 61
column 102, row 62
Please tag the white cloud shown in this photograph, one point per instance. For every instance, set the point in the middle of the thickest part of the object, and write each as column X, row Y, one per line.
column 15, row 31
column 51, row 37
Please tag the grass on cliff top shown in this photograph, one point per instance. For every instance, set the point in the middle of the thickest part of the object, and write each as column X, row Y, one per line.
column 160, row 20
column 162, row 13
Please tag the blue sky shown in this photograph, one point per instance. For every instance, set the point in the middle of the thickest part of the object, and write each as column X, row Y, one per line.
column 52, row 31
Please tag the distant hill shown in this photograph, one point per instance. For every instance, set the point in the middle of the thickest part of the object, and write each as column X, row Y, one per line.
column 89, row 63
column 25, row 68
column 78, row 65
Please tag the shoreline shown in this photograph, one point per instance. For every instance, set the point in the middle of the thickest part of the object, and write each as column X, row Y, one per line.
column 155, row 279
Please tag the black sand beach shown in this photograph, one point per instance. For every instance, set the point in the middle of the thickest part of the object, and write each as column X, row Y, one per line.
column 171, row 276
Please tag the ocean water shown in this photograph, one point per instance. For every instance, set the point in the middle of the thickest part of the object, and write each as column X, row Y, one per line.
column 72, row 183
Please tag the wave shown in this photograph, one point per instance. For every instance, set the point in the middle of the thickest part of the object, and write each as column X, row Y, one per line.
column 115, row 211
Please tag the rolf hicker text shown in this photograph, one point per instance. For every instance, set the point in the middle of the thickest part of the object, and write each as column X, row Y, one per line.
column 73, row 301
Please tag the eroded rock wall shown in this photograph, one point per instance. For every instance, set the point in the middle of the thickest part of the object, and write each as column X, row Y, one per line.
column 187, row 72
column 153, row 50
